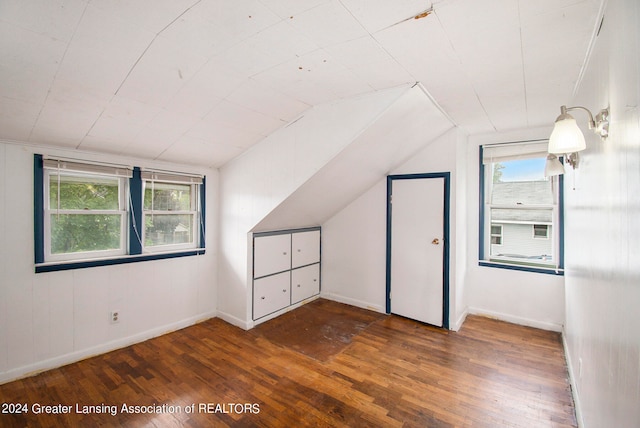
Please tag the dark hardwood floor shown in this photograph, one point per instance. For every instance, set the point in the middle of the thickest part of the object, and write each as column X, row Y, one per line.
column 387, row 372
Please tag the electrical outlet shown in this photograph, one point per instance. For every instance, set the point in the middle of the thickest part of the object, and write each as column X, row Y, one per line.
column 115, row 317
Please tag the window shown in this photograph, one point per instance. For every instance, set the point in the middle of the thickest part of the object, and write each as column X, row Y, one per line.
column 541, row 231
column 87, row 214
column 170, row 211
column 520, row 216
column 496, row 234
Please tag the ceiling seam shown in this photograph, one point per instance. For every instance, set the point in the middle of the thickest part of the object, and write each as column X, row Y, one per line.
column 133, row 67
column 429, row 11
column 55, row 76
column 475, row 92
column 151, row 43
column 377, row 42
column 524, row 71
column 592, row 42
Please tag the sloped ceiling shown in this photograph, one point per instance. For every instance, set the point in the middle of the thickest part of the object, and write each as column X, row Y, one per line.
column 402, row 129
column 201, row 81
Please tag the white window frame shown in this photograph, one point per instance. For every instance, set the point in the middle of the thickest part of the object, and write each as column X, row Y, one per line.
column 494, row 153
column 90, row 171
column 149, row 179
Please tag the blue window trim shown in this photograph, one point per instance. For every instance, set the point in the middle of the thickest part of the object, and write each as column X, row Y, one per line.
column 550, row 270
column 135, row 220
column 446, row 176
column 38, row 208
column 135, row 212
column 203, row 211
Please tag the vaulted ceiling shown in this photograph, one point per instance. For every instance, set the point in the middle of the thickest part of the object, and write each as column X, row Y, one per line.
column 201, row 81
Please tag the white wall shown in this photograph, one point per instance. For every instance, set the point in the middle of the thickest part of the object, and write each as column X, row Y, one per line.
column 525, row 298
column 602, row 330
column 252, row 185
column 50, row 319
column 310, row 169
column 354, row 239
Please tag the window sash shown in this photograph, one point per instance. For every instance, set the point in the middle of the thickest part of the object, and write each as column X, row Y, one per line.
column 52, row 211
column 50, row 256
column 507, row 152
column 147, row 244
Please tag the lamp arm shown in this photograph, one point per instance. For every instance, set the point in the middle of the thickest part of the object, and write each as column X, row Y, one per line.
column 565, row 109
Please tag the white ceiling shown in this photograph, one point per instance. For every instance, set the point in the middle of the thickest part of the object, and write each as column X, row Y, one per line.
column 200, row 81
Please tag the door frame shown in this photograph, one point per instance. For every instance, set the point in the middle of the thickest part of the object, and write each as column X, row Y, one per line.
column 446, row 228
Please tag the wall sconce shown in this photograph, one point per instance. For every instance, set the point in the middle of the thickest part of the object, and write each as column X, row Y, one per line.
column 567, row 138
column 553, row 166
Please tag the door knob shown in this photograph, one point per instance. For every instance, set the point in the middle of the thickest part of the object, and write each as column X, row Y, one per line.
column 435, row 241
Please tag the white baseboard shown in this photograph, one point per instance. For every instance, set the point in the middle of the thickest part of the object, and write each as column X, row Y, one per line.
column 233, row 320
column 517, row 320
column 572, row 382
column 353, row 302
column 72, row 357
column 458, row 323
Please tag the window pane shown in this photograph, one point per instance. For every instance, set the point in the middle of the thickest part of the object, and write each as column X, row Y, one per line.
column 72, row 233
column 519, row 170
column 168, row 229
column 83, row 193
column 167, row 196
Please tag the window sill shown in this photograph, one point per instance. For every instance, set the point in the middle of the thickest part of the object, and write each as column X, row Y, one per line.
column 534, row 269
column 87, row 263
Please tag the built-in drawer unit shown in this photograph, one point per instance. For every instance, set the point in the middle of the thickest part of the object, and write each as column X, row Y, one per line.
column 305, row 282
column 286, row 269
column 271, row 293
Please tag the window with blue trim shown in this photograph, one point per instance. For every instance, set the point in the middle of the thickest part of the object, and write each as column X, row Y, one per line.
column 520, row 209
column 94, row 214
column 170, row 211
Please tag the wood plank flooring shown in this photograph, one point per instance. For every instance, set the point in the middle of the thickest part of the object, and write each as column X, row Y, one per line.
column 394, row 373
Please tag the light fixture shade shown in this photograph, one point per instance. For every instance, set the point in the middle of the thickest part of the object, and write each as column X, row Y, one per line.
column 566, row 136
column 553, row 166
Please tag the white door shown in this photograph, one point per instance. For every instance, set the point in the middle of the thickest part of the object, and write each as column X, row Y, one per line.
column 417, row 249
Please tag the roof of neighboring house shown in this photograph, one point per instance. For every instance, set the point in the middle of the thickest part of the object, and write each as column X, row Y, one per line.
column 522, row 193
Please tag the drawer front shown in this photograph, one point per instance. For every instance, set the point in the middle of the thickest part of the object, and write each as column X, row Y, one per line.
column 305, row 282
column 305, row 248
column 271, row 254
column 271, row 294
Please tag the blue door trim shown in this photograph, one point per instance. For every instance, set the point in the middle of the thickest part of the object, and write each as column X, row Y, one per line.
column 446, row 232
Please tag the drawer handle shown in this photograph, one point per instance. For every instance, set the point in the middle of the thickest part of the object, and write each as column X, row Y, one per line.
column 284, row 290
column 298, row 285
column 315, row 280
column 262, row 297
column 299, row 250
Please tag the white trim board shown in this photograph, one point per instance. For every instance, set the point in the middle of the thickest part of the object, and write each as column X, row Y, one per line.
column 353, row 302
column 514, row 319
column 73, row 357
column 572, row 382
